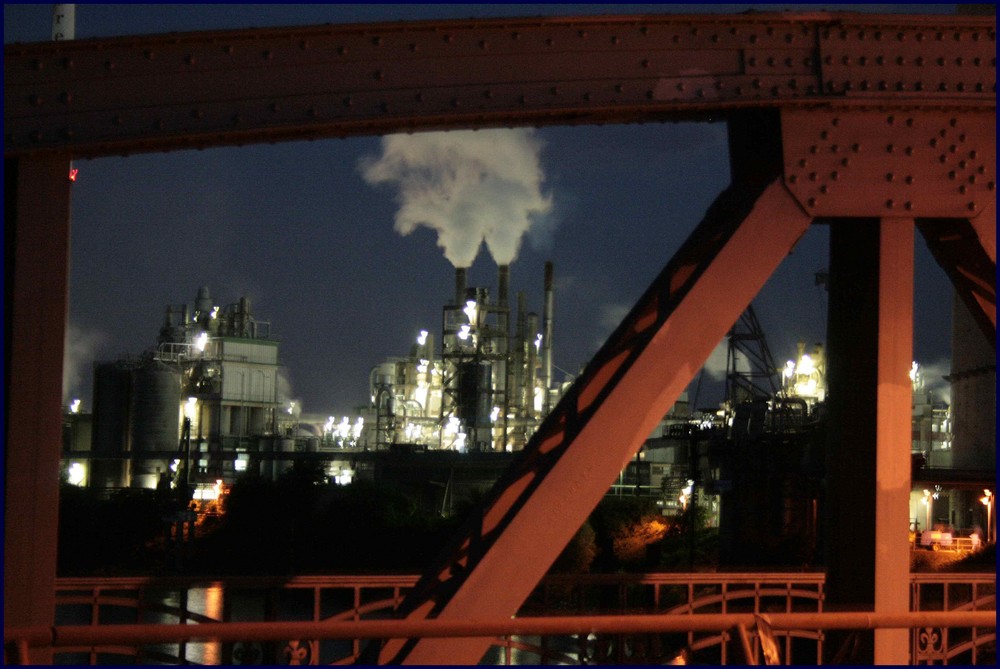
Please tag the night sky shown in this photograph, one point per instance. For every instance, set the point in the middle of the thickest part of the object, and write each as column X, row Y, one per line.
column 298, row 229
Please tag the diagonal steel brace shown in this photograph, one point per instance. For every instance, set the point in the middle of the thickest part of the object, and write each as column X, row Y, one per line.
column 546, row 495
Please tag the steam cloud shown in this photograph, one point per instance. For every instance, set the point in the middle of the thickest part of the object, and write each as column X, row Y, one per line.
column 470, row 186
column 79, row 352
column 934, row 381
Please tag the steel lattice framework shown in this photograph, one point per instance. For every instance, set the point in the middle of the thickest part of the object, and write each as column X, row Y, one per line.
column 883, row 124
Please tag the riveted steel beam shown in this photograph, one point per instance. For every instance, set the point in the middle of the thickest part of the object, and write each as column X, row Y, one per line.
column 134, row 94
column 890, row 163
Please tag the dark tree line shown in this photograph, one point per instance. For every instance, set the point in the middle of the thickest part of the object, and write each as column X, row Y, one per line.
column 302, row 523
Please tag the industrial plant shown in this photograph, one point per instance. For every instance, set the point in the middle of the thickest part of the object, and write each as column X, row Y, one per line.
column 203, row 406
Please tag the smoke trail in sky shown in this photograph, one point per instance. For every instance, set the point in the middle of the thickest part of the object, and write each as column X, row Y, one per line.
column 79, row 351
column 469, row 185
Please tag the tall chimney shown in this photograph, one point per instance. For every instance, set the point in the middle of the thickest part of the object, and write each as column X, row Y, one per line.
column 503, row 284
column 501, row 370
column 532, row 374
column 547, row 314
column 460, row 285
column 518, row 361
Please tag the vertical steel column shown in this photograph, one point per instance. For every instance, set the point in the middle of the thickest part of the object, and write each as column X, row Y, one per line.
column 852, row 377
column 893, row 411
column 36, row 209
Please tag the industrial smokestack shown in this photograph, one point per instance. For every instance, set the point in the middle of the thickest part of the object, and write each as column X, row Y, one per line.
column 532, row 375
column 460, row 285
column 517, row 361
column 63, row 22
column 547, row 314
column 503, row 284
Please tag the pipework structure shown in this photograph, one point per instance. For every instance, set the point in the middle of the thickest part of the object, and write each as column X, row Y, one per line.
column 876, row 125
column 486, row 390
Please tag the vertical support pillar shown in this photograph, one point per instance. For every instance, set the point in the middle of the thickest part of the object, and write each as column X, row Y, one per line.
column 870, row 345
column 36, row 209
column 893, row 410
column 849, row 494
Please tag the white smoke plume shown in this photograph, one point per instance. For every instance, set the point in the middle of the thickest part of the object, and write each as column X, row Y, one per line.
column 468, row 185
column 717, row 365
column 79, row 352
column 933, row 374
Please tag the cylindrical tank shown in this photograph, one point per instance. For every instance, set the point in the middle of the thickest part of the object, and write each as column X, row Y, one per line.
column 203, row 302
column 467, row 395
column 110, row 441
column 155, row 425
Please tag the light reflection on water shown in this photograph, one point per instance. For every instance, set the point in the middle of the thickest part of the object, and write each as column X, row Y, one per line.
column 204, row 605
column 211, row 603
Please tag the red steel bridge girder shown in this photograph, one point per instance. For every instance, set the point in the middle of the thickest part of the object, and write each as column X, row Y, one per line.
column 151, row 93
column 871, row 74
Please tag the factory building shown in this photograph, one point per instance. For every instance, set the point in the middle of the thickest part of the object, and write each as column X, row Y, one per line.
column 191, row 408
column 203, row 404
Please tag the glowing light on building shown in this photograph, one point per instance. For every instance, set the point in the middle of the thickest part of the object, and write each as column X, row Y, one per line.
column 291, row 408
column 422, row 366
column 494, row 414
column 987, row 501
column 463, row 332
column 685, row 495
column 344, row 428
column 422, row 338
column 77, row 474
column 201, row 341
column 74, row 406
column 538, row 342
column 191, row 408
column 358, row 428
column 805, row 378
column 805, row 365
column 470, row 311
column 539, row 398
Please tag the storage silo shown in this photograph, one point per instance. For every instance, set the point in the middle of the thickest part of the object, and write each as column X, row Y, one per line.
column 111, row 437
column 156, row 406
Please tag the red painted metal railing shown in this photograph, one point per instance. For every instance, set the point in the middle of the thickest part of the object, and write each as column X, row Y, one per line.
column 712, row 618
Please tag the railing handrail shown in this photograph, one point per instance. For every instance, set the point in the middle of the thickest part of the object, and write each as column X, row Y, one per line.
column 90, row 635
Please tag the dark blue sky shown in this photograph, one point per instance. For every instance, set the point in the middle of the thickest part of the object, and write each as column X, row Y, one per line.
column 295, row 227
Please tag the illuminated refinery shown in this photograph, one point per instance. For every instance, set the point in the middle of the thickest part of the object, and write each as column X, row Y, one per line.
column 204, row 405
